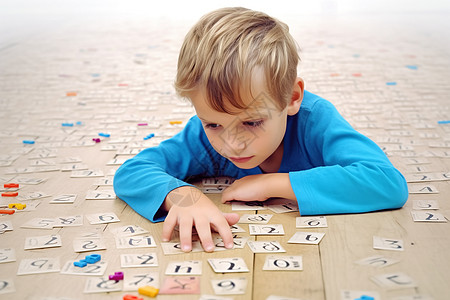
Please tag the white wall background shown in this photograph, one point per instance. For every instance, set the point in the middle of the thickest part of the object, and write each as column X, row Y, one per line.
column 19, row 18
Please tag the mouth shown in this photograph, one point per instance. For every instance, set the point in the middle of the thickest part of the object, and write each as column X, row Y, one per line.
column 240, row 160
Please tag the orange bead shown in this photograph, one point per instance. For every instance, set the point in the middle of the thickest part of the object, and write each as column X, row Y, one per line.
column 10, row 194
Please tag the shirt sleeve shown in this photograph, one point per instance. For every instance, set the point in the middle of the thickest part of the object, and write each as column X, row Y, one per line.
column 353, row 174
column 144, row 180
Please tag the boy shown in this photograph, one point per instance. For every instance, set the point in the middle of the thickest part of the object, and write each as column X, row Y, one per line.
column 256, row 123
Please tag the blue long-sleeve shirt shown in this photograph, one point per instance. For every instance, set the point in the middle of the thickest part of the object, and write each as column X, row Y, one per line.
column 332, row 168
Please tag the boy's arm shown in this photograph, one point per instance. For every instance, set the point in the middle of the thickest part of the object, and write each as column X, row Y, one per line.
column 149, row 184
column 144, row 181
column 350, row 174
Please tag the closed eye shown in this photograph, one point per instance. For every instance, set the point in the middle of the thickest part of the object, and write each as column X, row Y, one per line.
column 212, row 126
column 257, row 123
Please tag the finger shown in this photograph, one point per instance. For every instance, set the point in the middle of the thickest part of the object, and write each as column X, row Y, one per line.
column 203, row 228
column 169, row 224
column 222, row 227
column 186, row 234
column 227, row 195
column 232, row 218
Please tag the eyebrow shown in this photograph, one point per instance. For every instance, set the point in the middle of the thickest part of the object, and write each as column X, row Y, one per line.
column 203, row 120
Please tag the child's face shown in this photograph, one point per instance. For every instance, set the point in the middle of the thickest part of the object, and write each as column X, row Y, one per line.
column 250, row 137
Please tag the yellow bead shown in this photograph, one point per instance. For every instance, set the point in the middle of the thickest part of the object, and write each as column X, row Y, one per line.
column 148, row 291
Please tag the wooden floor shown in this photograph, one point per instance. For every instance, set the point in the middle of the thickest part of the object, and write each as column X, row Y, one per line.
column 389, row 77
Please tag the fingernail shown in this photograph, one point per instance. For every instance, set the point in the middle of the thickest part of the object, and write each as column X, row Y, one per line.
column 229, row 245
column 209, row 248
column 186, row 248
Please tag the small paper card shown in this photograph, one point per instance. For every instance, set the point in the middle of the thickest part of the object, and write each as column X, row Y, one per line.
column 88, row 244
column 135, row 281
column 68, row 221
column 7, row 286
column 377, row 261
column 102, row 218
column 100, row 195
column 64, row 198
column 255, row 219
column 311, row 222
column 97, row 269
column 128, row 230
column 181, row 285
column 175, row 248
column 247, row 205
column 138, row 260
column 306, row 238
column 267, row 229
column 229, row 286
column 40, row 242
column 425, row 204
column 425, row 216
column 38, row 265
column 188, row 267
column 387, row 244
column 394, row 281
column 283, row 263
column 265, row 246
column 5, row 226
column 7, row 255
column 102, row 285
column 228, row 265
column 135, row 242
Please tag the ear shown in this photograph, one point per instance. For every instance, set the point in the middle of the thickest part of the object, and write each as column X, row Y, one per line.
column 297, row 97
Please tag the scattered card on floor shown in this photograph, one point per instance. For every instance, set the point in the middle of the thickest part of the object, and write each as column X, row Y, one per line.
column 7, row 255
column 377, row 261
column 132, row 282
column 128, row 230
column 188, row 267
column 135, row 242
column 102, row 285
column 97, row 269
column 7, row 286
column 311, row 222
column 425, row 204
column 255, row 219
column 180, row 285
column 102, row 218
column 283, row 263
column 138, row 260
column 382, row 243
column 265, row 246
column 64, row 198
column 229, row 286
column 394, row 281
column 306, row 238
column 425, row 216
column 228, row 265
column 40, row 242
column 266, row 229
column 247, row 205
column 38, row 265
column 88, row 244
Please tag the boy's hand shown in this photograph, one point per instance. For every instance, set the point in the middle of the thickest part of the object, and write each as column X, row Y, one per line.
column 189, row 207
column 259, row 187
column 248, row 188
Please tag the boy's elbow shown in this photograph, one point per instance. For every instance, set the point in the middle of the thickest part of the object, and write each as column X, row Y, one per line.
column 397, row 194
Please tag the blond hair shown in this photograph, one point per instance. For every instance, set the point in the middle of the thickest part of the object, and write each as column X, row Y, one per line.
column 220, row 52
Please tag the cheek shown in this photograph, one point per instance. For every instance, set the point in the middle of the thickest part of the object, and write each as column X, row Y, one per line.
column 215, row 141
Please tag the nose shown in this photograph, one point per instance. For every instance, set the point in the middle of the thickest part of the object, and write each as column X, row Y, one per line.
column 235, row 140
